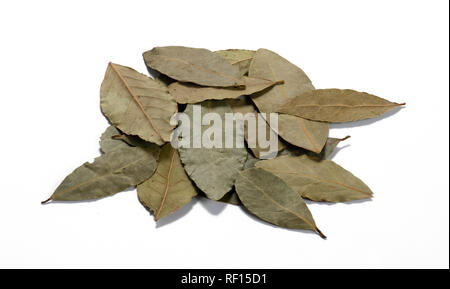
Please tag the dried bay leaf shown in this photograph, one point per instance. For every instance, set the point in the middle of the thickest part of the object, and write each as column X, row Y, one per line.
column 244, row 106
column 329, row 148
column 133, row 140
column 196, row 65
column 250, row 162
column 268, row 65
column 113, row 139
column 169, row 188
column 337, row 105
column 213, row 170
column 322, row 181
column 307, row 134
column 231, row 198
column 270, row 199
column 109, row 174
column 297, row 131
column 240, row 58
column 136, row 104
column 326, row 153
column 107, row 143
column 192, row 93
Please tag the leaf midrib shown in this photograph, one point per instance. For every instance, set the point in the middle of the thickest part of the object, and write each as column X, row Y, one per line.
column 135, row 98
column 313, row 226
column 166, row 191
column 92, row 180
column 323, row 180
column 237, row 81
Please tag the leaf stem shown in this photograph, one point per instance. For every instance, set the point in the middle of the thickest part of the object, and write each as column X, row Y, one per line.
column 347, row 137
column 46, row 201
column 320, row 233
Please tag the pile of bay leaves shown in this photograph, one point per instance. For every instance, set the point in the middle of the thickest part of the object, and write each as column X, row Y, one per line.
column 137, row 148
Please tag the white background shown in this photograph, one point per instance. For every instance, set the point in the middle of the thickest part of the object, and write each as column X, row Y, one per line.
column 52, row 61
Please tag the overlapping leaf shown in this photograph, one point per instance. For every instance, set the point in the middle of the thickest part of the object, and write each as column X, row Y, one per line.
column 337, row 105
column 107, row 143
column 326, row 153
column 322, row 181
column 191, row 93
column 169, row 188
column 244, row 106
column 136, row 104
column 270, row 199
column 297, row 131
column 196, row 65
column 214, row 170
column 240, row 58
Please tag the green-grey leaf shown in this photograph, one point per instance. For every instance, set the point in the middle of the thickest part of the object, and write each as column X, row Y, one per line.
column 300, row 132
column 169, row 188
column 245, row 106
column 250, row 162
column 329, row 148
column 196, row 65
column 322, row 181
column 270, row 199
column 231, row 198
column 133, row 140
column 214, row 170
column 107, row 143
column 337, row 105
column 109, row 174
column 136, row 104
